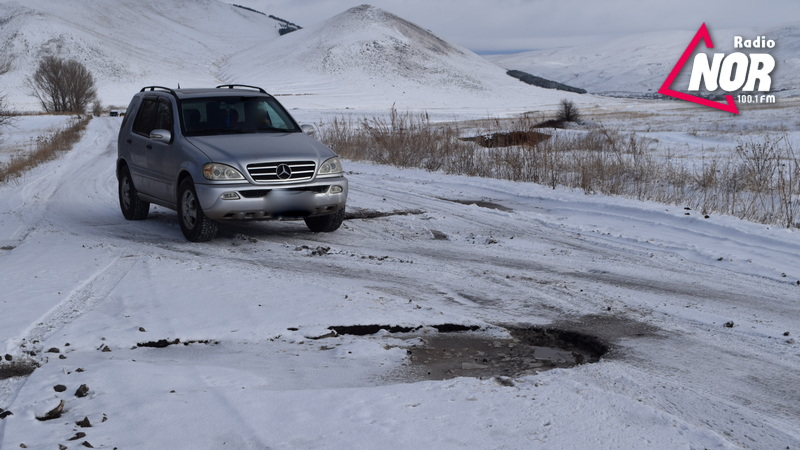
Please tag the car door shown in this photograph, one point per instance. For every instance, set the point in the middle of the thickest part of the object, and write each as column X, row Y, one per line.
column 137, row 144
column 162, row 158
column 155, row 161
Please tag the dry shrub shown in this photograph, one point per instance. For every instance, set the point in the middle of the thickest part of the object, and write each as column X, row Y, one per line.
column 45, row 149
column 759, row 182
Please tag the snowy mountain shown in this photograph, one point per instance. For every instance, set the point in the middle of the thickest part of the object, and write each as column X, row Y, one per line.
column 639, row 64
column 370, row 56
column 126, row 44
column 365, row 56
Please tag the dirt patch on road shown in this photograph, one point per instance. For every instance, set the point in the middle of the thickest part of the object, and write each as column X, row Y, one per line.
column 21, row 368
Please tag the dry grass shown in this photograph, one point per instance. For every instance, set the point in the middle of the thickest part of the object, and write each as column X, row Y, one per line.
column 759, row 182
column 45, row 149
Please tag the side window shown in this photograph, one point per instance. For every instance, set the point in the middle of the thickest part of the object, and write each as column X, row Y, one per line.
column 145, row 118
column 164, row 115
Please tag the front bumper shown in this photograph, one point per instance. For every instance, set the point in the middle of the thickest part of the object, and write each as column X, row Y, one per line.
column 254, row 202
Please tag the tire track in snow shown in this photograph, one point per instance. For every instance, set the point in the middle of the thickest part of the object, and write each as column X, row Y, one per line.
column 33, row 201
column 83, row 299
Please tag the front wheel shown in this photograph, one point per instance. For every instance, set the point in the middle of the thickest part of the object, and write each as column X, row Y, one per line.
column 325, row 224
column 194, row 223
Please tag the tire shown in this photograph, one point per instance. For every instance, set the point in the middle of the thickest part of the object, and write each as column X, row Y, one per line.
column 196, row 227
column 325, row 224
column 132, row 207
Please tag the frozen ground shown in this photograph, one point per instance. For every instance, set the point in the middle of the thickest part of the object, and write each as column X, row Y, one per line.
column 19, row 135
column 700, row 315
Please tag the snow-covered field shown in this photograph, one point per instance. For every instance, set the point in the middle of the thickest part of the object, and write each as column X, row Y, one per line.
column 83, row 288
column 635, row 64
column 19, row 135
column 228, row 344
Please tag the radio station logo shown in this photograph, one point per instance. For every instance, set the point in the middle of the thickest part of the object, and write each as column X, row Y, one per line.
column 748, row 74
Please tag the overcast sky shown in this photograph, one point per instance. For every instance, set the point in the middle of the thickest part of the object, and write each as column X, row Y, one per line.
column 506, row 25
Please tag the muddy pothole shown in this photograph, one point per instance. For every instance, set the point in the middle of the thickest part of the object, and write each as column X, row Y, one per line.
column 529, row 351
column 374, row 214
column 466, row 351
column 480, row 203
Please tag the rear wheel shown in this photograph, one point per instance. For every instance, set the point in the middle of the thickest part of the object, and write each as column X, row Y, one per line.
column 133, row 208
column 325, row 224
column 194, row 223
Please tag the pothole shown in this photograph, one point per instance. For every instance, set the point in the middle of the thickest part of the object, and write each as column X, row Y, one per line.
column 374, row 214
column 480, row 203
column 466, row 351
column 163, row 343
column 363, row 330
column 530, row 350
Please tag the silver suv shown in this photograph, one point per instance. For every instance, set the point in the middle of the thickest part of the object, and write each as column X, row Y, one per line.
column 225, row 153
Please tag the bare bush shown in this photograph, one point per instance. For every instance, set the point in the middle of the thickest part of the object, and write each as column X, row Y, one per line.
column 97, row 108
column 6, row 116
column 45, row 149
column 568, row 112
column 759, row 182
column 62, row 85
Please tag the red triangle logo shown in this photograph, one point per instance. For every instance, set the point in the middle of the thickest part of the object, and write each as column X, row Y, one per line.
column 701, row 35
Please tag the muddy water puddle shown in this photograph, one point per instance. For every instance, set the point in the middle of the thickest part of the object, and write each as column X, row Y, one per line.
column 527, row 352
column 449, row 356
column 453, row 352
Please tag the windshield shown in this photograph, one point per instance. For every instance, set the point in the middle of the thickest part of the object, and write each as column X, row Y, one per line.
column 224, row 115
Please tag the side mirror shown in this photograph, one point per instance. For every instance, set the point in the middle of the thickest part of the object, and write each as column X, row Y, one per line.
column 309, row 130
column 159, row 135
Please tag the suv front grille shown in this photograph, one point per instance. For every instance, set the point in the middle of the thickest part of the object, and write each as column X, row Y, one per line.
column 276, row 172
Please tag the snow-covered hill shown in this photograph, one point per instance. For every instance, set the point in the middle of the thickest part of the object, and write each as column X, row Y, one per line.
column 639, row 64
column 126, row 43
column 369, row 56
column 362, row 57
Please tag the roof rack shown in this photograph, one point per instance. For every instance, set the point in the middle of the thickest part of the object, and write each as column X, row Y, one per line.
column 153, row 88
column 231, row 86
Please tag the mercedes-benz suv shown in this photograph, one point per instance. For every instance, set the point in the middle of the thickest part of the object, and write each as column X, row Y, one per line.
column 225, row 153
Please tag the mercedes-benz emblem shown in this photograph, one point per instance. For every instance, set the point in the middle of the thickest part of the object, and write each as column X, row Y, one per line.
column 283, row 171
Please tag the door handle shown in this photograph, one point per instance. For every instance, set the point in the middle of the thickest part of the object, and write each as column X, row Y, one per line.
column 149, row 146
column 129, row 141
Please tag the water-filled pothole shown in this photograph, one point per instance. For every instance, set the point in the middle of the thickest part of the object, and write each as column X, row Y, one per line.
column 529, row 351
column 465, row 351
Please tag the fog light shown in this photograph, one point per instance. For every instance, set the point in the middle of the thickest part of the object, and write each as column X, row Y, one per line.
column 229, row 196
column 336, row 190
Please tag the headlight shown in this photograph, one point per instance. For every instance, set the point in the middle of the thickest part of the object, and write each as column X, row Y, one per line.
column 331, row 166
column 217, row 172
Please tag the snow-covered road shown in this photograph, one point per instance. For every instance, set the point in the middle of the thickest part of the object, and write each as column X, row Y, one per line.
column 657, row 283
